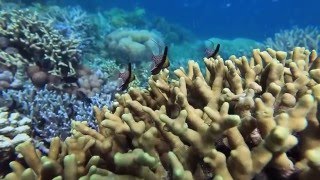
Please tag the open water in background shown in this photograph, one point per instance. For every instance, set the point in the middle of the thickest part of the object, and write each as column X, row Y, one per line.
column 256, row 19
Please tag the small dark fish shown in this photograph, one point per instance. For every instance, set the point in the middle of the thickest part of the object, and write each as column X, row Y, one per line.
column 210, row 53
column 13, row 105
column 127, row 77
column 39, row 64
column 83, row 97
column 43, row 65
column 161, row 61
column 64, row 70
column 70, row 110
column 13, row 68
column 70, row 79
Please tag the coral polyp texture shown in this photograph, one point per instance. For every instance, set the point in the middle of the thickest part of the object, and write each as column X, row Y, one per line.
column 239, row 120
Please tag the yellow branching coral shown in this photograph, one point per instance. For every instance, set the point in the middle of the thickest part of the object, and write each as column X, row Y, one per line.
column 239, row 119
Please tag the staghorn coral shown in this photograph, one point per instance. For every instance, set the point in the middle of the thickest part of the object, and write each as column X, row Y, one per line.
column 7, row 80
column 30, row 40
column 12, row 69
column 238, row 120
column 51, row 111
column 71, row 22
column 286, row 40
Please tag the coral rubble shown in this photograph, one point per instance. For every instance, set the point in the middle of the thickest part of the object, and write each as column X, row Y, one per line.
column 241, row 119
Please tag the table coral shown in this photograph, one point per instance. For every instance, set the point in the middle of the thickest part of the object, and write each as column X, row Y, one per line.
column 239, row 120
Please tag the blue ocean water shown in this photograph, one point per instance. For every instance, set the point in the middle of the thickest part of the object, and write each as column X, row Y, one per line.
column 256, row 19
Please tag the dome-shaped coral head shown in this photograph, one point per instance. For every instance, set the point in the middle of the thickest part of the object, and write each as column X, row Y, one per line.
column 135, row 44
column 126, row 78
column 160, row 60
column 212, row 52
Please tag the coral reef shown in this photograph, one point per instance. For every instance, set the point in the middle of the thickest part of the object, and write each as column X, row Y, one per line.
column 14, row 129
column 8, row 80
column 286, row 40
column 110, row 70
column 72, row 22
column 12, row 67
column 108, row 66
column 51, row 112
column 238, row 120
column 227, row 118
column 112, row 19
column 26, row 40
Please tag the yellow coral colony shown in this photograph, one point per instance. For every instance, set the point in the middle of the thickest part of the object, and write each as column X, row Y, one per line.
column 256, row 108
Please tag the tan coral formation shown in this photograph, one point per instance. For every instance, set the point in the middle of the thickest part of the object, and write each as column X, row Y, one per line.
column 232, row 122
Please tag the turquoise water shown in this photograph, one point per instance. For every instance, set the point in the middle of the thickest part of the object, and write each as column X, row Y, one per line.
column 257, row 19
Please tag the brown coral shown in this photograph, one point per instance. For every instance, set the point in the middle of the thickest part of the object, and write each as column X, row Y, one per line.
column 39, row 79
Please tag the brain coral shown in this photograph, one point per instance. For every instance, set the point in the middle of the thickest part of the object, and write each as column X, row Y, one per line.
column 132, row 45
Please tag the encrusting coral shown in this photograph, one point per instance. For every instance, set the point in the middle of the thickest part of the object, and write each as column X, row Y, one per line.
column 240, row 119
